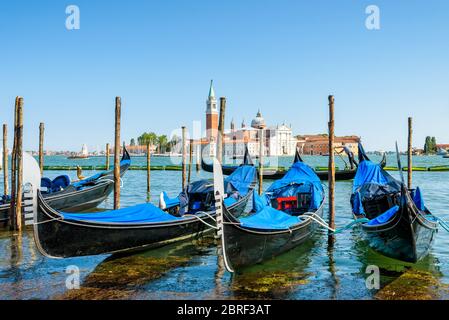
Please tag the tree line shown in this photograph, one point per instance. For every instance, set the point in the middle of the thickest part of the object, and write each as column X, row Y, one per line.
column 162, row 142
column 430, row 146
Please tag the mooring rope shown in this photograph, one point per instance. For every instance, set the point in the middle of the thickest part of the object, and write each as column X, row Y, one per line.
column 442, row 223
column 356, row 222
column 325, row 225
column 206, row 223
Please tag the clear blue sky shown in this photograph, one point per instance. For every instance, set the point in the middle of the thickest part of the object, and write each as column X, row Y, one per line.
column 284, row 57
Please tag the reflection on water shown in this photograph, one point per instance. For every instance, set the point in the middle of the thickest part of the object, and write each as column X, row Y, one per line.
column 192, row 270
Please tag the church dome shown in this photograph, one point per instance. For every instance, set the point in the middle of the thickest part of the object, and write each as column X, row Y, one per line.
column 258, row 122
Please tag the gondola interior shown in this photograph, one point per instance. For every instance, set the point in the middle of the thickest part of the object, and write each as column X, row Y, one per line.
column 287, row 200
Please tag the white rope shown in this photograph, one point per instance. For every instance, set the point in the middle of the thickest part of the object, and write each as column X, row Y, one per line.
column 206, row 223
column 318, row 219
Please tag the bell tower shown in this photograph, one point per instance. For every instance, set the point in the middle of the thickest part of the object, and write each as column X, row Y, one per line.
column 211, row 114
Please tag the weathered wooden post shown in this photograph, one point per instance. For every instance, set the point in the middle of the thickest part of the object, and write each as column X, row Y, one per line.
column 16, row 168
column 118, row 111
column 198, row 156
column 410, row 152
column 184, row 158
column 148, row 171
column 220, row 136
column 5, row 160
column 261, row 154
column 108, row 148
column 190, row 160
column 13, row 170
column 19, row 165
column 331, row 166
column 41, row 147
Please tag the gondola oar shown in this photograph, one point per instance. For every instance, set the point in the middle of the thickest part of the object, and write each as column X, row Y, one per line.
column 219, row 192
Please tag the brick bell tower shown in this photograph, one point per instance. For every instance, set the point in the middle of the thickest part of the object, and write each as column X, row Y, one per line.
column 211, row 114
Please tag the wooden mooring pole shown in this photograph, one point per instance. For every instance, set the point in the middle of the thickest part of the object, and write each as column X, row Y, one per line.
column 261, row 154
column 108, row 148
column 410, row 152
column 5, row 160
column 221, row 130
column 148, row 172
column 184, row 158
column 13, row 170
column 198, row 156
column 16, row 168
column 190, row 160
column 41, row 147
column 331, row 166
column 118, row 111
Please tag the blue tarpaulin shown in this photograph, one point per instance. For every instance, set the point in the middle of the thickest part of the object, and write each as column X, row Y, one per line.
column 384, row 217
column 269, row 218
column 142, row 213
column 357, row 204
column 419, row 200
column 369, row 172
column 241, row 179
column 299, row 174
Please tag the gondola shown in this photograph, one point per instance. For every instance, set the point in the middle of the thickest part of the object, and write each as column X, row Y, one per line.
column 285, row 216
column 400, row 226
column 140, row 227
column 88, row 193
column 274, row 174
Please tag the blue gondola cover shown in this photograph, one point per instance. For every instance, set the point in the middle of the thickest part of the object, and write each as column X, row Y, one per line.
column 419, row 200
column 240, row 179
column 301, row 175
column 142, row 213
column 269, row 218
column 384, row 217
column 369, row 172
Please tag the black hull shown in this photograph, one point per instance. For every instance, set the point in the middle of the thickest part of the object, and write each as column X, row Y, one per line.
column 268, row 174
column 407, row 237
column 71, row 200
column 60, row 238
column 243, row 247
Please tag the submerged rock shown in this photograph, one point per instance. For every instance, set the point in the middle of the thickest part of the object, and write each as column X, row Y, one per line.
column 267, row 284
column 120, row 278
column 414, row 285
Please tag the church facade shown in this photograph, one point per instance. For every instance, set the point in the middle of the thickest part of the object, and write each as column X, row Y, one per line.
column 278, row 140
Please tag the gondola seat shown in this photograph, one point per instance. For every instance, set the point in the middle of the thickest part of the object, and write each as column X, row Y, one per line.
column 60, row 183
column 5, row 199
column 46, row 185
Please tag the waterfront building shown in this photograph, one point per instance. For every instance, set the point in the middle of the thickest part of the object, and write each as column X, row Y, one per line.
column 319, row 144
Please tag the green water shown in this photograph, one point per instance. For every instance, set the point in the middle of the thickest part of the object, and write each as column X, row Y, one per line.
column 191, row 270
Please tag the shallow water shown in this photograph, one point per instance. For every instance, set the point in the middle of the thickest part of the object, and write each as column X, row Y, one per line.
column 191, row 270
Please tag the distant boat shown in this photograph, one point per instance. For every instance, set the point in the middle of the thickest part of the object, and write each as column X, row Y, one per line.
column 442, row 152
column 84, row 154
column 446, row 156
